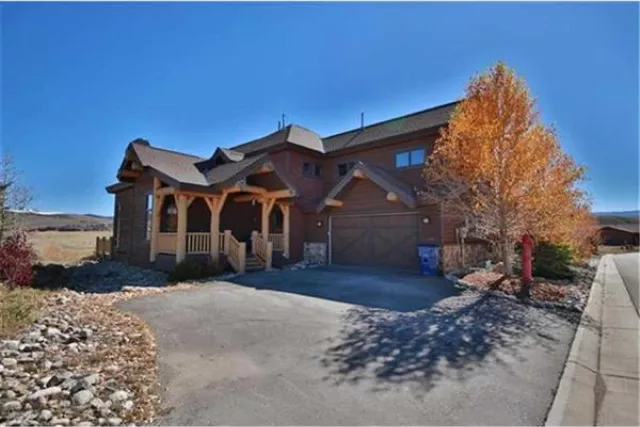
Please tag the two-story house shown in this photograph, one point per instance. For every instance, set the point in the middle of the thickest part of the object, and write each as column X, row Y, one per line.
column 350, row 198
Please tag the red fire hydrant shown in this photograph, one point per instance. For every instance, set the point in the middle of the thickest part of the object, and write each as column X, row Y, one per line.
column 527, row 275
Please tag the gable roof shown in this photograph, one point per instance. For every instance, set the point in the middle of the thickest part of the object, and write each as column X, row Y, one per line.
column 421, row 120
column 292, row 134
column 377, row 175
column 179, row 167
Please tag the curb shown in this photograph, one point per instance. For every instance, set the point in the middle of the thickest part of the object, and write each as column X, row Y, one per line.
column 580, row 376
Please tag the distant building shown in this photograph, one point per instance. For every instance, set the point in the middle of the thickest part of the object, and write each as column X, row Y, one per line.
column 619, row 234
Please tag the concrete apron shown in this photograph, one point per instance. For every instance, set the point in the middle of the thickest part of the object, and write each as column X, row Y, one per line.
column 599, row 385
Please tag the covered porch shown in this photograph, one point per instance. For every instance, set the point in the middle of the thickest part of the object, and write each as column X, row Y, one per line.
column 247, row 219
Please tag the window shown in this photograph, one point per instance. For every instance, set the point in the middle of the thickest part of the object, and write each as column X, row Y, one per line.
column 410, row 158
column 343, row 168
column 149, row 217
column 312, row 169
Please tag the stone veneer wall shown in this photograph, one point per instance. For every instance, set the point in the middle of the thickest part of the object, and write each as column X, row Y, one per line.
column 315, row 252
column 475, row 256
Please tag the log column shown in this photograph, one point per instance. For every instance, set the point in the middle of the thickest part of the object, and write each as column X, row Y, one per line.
column 215, row 208
column 155, row 220
column 285, row 227
column 181, row 238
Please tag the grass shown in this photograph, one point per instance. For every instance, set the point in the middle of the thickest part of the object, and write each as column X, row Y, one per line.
column 65, row 247
column 18, row 308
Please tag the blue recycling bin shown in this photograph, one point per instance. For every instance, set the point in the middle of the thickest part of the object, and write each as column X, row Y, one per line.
column 428, row 254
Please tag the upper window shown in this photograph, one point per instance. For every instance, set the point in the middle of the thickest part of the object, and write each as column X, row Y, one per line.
column 410, row 158
column 312, row 169
column 343, row 168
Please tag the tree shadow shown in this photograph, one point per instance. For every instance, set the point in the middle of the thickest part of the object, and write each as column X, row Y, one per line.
column 450, row 339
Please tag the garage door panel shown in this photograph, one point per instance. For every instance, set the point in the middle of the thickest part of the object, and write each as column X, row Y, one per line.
column 384, row 240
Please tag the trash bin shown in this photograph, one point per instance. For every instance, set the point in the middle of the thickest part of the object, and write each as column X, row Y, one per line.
column 428, row 254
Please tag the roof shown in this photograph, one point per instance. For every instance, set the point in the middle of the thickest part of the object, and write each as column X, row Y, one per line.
column 227, row 172
column 230, row 155
column 629, row 228
column 118, row 186
column 421, row 120
column 175, row 165
column 377, row 175
column 292, row 134
column 298, row 135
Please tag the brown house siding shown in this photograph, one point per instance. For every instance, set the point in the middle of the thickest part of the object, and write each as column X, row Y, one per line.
column 132, row 219
column 615, row 237
column 383, row 156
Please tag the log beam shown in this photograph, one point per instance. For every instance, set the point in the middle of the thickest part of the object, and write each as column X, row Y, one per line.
column 392, row 197
column 334, row 203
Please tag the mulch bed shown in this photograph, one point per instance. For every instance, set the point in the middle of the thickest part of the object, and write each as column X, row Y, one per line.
column 541, row 290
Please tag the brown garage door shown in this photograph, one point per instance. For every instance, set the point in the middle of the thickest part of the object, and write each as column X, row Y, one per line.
column 385, row 240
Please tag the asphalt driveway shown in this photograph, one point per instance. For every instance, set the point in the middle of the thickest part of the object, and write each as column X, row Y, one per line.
column 352, row 346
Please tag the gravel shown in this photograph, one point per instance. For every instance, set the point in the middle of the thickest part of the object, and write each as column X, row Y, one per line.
column 83, row 362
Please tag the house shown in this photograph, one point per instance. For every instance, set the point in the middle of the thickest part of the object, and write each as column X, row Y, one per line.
column 619, row 234
column 350, row 198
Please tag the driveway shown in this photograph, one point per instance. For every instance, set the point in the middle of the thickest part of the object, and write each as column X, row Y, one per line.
column 352, row 346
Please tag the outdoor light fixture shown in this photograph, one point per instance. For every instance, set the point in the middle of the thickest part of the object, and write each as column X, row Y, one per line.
column 425, row 220
column 171, row 210
column 319, row 224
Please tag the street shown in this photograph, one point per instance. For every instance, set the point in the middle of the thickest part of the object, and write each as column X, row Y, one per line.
column 628, row 268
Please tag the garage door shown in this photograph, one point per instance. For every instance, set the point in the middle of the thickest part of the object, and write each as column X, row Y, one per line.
column 384, row 240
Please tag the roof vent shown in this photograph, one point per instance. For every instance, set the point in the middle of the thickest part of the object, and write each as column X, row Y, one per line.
column 141, row 141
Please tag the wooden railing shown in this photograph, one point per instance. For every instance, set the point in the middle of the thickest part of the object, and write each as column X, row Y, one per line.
column 103, row 247
column 263, row 250
column 221, row 243
column 278, row 240
column 166, row 243
column 198, row 243
column 236, row 252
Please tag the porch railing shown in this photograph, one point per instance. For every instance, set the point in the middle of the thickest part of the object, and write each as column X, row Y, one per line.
column 278, row 241
column 166, row 242
column 198, row 243
column 236, row 252
column 221, row 243
column 263, row 250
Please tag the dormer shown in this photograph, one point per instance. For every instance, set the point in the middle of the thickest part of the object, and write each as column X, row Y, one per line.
column 220, row 157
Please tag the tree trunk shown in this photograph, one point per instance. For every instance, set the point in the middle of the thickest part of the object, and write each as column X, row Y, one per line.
column 505, row 245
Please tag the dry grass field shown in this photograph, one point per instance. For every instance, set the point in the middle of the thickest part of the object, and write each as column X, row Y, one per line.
column 65, row 247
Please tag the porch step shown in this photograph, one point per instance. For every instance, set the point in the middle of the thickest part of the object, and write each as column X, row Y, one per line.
column 252, row 263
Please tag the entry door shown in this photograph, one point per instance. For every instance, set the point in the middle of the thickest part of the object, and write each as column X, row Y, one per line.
column 388, row 240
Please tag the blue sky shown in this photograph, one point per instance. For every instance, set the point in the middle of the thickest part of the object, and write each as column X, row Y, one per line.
column 79, row 81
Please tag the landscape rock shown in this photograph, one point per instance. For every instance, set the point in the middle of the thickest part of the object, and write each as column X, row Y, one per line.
column 45, row 415
column 12, row 405
column 9, row 362
column 118, row 396
column 82, row 397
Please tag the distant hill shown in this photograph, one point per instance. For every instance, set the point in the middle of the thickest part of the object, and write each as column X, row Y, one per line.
column 44, row 221
column 618, row 218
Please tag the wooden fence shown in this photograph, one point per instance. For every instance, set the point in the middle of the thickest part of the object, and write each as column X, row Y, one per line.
column 103, row 247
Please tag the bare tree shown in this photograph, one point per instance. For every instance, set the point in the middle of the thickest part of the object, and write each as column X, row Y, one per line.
column 14, row 196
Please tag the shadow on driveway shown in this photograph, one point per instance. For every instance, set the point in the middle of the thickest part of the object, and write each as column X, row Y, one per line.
column 447, row 341
column 395, row 290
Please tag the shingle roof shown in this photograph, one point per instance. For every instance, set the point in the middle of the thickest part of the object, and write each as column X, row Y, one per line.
column 223, row 173
column 630, row 228
column 421, row 120
column 231, row 155
column 293, row 134
column 298, row 135
column 177, row 166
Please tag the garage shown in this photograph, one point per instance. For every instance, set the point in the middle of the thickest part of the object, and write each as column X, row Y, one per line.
column 387, row 240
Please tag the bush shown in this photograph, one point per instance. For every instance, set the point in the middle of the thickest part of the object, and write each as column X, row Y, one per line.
column 19, row 307
column 16, row 260
column 552, row 261
column 190, row 269
column 49, row 276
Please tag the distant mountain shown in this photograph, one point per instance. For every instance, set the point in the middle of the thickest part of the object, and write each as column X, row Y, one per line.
column 633, row 214
column 618, row 218
column 44, row 221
